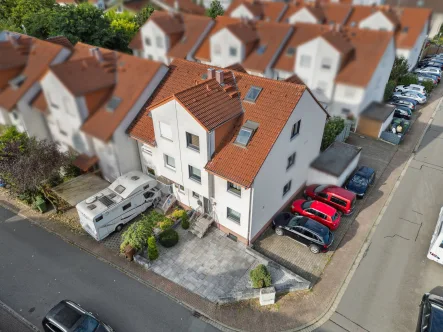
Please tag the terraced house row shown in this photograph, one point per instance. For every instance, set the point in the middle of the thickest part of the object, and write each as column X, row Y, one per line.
column 343, row 53
column 230, row 144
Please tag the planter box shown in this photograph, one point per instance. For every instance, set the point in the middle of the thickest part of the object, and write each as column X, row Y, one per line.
column 267, row 296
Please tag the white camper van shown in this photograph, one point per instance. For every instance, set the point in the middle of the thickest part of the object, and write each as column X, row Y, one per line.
column 108, row 210
column 436, row 249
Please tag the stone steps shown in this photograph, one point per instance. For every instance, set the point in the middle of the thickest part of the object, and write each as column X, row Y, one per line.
column 201, row 226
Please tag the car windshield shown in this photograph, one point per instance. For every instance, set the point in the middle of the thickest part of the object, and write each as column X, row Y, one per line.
column 306, row 205
column 89, row 324
column 293, row 222
column 335, row 216
column 420, row 95
column 357, row 179
column 320, row 188
column 436, row 318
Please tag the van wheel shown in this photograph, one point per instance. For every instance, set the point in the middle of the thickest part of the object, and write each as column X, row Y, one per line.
column 314, row 249
column 279, row 231
column 119, row 228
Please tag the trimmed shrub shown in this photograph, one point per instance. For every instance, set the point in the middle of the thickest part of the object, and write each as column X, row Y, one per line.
column 185, row 223
column 179, row 214
column 407, row 79
column 260, row 277
column 429, row 86
column 168, row 238
column 389, row 89
column 165, row 224
column 152, row 249
column 333, row 127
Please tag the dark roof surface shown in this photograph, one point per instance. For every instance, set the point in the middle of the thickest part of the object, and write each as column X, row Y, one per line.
column 378, row 111
column 336, row 158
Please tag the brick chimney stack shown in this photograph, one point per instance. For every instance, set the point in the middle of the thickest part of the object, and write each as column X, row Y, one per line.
column 95, row 52
column 220, row 76
column 211, row 73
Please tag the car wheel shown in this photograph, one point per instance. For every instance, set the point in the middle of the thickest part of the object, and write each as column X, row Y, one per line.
column 119, row 228
column 279, row 231
column 314, row 249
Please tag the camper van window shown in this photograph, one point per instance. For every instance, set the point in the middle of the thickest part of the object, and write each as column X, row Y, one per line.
column 127, row 206
column 149, row 194
column 119, row 189
column 98, row 219
column 146, row 187
column 441, row 245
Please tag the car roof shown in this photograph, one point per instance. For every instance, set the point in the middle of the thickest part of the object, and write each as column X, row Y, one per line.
column 365, row 171
column 316, row 227
column 339, row 192
column 65, row 314
column 325, row 208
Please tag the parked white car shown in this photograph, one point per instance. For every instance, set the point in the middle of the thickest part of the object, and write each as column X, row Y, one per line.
column 411, row 87
column 412, row 95
column 421, row 79
column 430, row 70
column 435, row 252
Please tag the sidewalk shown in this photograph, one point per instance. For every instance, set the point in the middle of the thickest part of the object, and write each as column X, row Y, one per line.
column 294, row 311
column 10, row 321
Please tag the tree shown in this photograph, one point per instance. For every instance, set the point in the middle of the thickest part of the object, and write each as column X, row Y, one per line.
column 260, row 277
column 389, row 90
column 215, row 9
column 19, row 10
column 143, row 15
column 9, row 135
column 333, row 127
column 30, row 165
column 400, row 68
column 124, row 26
column 152, row 249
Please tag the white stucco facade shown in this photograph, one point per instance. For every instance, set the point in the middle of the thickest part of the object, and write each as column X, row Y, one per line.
column 412, row 54
column 155, row 42
column 222, row 46
column 376, row 21
column 302, row 16
column 242, row 12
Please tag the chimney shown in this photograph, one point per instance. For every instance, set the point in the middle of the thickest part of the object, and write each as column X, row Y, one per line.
column 211, row 73
column 338, row 27
column 176, row 5
column 95, row 52
column 220, row 76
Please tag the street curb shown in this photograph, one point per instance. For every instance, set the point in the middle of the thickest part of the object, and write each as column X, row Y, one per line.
column 197, row 313
column 327, row 315
column 17, row 316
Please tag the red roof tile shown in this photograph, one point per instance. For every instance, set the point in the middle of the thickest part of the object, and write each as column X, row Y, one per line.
column 412, row 23
column 267, row 11
column 186, row 6
column 61, row 40
column 336, row 13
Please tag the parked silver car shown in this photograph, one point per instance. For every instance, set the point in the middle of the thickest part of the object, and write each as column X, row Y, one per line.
column 411, row 95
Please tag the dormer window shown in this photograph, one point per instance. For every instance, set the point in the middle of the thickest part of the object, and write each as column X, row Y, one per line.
column 261, row 49
column 16, row 82
column 148, row 41
column 290, row 51
column 326, row 63
column 246, row 132
column 217, row 49
column 233, row 51
column 252, row 94
column 405, row 29
column 113, row 103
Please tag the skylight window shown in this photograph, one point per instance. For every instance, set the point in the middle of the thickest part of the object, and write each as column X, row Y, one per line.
column 261, row 49
column 405, row 29
column 290, row 51
column 252, row 94
column 119, row 189
column 246, row 132
column 16, row 82
column 113, row 104
column 92, row 207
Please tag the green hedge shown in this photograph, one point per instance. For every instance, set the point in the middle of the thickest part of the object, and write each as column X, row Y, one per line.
column 168, row 238
column 407, row 79
column 152, row 249
column 390, row 86
column 260, row 277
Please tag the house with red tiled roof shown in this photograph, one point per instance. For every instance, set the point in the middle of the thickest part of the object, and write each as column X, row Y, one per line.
column 23, row 62
column 89, row 101
column 234, row 146
column 168, row 35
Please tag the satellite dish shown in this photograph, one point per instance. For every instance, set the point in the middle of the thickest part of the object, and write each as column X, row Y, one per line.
column 91, row 200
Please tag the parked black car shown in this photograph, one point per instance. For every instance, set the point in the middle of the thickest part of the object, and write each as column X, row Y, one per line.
column 430, row 318
column 304, row 230
column 68, row 316
column 401, row 102
column 402, row 113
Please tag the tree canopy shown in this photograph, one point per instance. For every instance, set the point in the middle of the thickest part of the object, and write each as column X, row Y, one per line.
column 334, row 126
column 400, row 68
column 215, row 9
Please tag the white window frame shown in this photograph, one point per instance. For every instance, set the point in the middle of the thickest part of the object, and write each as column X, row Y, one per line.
column 326, row 62
column 159, row 42
column 233, row 50
column 166, row 157
column 192, row 176
column 289, row 189
column 165, row 131
column 231, row 217
column 295, row 129
column 305, row 61
column 292, row 158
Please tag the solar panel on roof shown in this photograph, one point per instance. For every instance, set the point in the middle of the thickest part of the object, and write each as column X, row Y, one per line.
column 106, row 200
column 113, row 103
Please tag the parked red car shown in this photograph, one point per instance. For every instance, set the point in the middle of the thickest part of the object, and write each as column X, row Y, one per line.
column 342, row 199
column 318, row 211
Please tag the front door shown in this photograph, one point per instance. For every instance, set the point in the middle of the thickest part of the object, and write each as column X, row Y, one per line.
column 207, row 207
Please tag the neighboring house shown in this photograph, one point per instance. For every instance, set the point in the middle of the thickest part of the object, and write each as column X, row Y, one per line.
column 346, row 69
column 435, row 5
column 91, row 99
column 23, row 62
column 410, row 26
column 256, row 10
column 236, row 146
column 166, row 36
column 182, row 6
column 253, row 44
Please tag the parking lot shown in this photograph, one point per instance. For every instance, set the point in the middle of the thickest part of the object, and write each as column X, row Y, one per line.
column 384, row 158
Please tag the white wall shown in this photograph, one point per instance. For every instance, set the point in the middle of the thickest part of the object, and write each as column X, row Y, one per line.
column 270, row 180
column 225, row 39
column 302, row 16
column 376, row 21
column 386, row 124
column 346, row 97
column 241, row 11
column 315, row 76
column 152, row 31
column 436, row 22
column 413, row 53
column 66, row 115
column 4, row 117
column 225, row 199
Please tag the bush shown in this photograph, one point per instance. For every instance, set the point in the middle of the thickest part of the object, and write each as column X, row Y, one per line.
column 260, row 277
column 168, row 238
column 333, row 127
column 408, row 79
column 185, row 223
column 152, row 249
column 429, row 86
column 165, row 224
column 389, row 89
column 179, row 214
column 136, row 235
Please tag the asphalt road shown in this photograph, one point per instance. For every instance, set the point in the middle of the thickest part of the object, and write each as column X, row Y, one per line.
column 38, row 269
column 387, row 287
